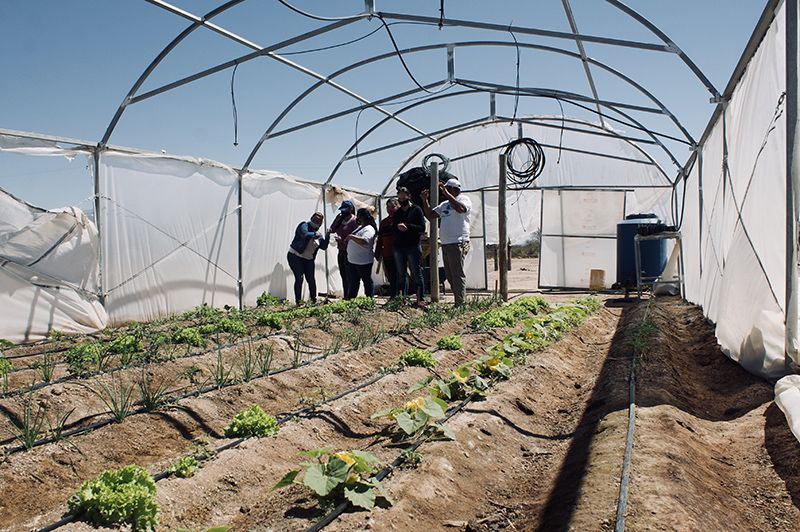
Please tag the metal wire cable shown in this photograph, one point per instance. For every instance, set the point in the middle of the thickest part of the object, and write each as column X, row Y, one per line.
column 534, row 161
column 235, row 114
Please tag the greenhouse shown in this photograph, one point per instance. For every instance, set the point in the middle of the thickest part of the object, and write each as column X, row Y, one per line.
column 626, row 351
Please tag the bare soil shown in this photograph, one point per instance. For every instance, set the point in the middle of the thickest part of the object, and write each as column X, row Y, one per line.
column 543, row 452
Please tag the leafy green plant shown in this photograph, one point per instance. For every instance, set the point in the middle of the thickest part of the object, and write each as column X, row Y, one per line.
column 30, row 422
column 85, row 359
column 335, row 477
column 417, row 357
column 247, row 363
column 417, row 418
column 126, row 346
column 56, row 335
column 202, row 313
column 271, row 319
column 5, row 344
column 190, row 373
column 188, row 336
column 460, row 384
column 5, row 369
column 252, row 422
column 123, row 496
column 183, row 468
column 46, row 366
column 411, row 458
column 451, row 343
column 268, row 300
column 493, row 365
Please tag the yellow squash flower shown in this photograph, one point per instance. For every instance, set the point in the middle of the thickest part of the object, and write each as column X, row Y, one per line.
column 493, row 363
column 346, row 458
column 461, row 378
column 416, row 404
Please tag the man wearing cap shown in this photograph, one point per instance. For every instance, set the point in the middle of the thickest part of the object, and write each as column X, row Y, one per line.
column 344, row 224
column 408, row 224
column 453, row 233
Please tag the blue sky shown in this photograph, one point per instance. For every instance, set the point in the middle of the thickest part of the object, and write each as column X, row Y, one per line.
column 66, row 66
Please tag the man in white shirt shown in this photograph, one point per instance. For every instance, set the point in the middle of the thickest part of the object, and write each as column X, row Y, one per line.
column 453, row 232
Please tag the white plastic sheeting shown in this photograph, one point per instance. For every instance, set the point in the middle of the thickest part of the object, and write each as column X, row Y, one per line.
column 787, row 397
column 48, row 272
column 579, row 235
column 168, row 233
column 734, row 226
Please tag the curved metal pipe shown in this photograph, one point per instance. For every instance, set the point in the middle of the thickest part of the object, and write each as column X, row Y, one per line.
column 491, row 120
column 462, row 44
column 441, row 96
column 153, row 64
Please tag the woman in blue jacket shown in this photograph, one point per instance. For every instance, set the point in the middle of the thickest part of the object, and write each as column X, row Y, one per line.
column 302, row 251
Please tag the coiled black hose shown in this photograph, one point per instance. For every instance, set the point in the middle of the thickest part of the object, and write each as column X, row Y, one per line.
column 534, row 161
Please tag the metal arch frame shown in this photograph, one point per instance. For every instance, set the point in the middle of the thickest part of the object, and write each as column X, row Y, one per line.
column 497, row 120
column 432, row 99
column 574, row 27
column 540, row 93
column 369, row 12
column 260, row 51
column 431, row 47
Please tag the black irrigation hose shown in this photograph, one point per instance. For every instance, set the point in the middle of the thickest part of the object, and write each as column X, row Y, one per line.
column 235, row 443
column 533, row 163
column 195, row 393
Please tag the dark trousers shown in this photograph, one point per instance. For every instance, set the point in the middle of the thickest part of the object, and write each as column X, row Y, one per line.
column 359, row 273
column 302, row 268
column 341, row 260
column 390, row 272
column 408, row 258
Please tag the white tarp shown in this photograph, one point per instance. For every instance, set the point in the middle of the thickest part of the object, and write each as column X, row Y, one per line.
column 168, row 233
column 579, row 229
column 735, row 244
column 48, row 272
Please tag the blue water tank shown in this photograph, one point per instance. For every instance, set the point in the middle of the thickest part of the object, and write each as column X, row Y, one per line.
column 653, row 252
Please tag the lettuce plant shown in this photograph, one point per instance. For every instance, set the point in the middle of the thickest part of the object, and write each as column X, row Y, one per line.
column 183, row 468
column 189, row 336
column 252, row 422
column 123, row 496
column 451, row 343
column 338, row 476
column 417, row 357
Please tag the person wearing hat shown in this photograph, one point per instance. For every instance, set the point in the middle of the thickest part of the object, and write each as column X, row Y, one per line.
column 344, row 224
column 408, row 224
column 302, row 252
column 453, row 233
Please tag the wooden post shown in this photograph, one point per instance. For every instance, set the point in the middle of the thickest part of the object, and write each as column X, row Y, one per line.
column 433, row 235
column 502, row 241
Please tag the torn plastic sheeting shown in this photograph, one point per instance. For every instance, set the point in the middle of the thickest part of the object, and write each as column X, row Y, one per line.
column 787, row 397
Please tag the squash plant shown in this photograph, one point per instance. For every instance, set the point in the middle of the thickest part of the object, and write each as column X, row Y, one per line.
column 338, row 476
column 417, row 418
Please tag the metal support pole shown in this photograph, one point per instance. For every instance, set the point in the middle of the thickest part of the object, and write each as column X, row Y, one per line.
column 101, row 295
column 792, row 358
column 502, row 241
column 240, row 235
column 326, row 223
column 433, row 235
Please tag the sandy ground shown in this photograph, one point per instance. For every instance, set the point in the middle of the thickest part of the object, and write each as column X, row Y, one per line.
column 542, row 452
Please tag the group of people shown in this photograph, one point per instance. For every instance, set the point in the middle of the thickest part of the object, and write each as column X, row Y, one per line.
column 395, row 244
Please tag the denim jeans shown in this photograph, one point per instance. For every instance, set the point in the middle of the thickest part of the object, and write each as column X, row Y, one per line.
column 405, row 258
column 302, row 268
column 356, row 274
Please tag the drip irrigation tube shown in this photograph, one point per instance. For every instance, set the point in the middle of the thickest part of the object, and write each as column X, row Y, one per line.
column 622, row 502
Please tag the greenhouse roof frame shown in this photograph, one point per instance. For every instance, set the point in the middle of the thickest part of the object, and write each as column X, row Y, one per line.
column 333, row 23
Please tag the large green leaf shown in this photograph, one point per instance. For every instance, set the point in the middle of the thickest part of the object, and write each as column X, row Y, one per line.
column 316, row 453
column 410, row 423
column 287, row 479
column 322, row 483
column 420, row 384
column 361, row 495
column 386, row 412
column 434, row 407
